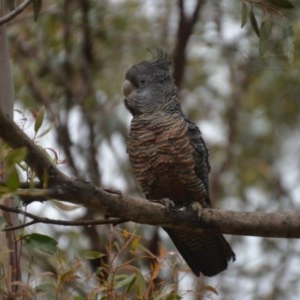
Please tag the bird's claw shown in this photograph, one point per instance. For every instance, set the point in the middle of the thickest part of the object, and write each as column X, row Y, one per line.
column 197, row 208
column 168, row 203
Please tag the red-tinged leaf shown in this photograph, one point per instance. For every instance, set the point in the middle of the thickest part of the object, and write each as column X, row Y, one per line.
column 125, row 234
column 155, row 269
column 210, row 288
column 63, row 161
column 34, row 113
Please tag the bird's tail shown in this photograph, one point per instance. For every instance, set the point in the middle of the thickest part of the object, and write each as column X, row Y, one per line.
column 207, row 253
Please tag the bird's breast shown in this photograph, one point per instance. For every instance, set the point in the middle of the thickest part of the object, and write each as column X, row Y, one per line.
column 162, row 158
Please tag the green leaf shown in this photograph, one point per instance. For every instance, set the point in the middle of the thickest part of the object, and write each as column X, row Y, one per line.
column 130, row 284
column 67, row 276
column 173, row 296
column 45, row 132
column 37, row 5
column 99, row 271
column 116, row 245
column 12, row 179
column 140, row 283
column 47, row 289
column 127, row 281
column 288, row 40
column 244, row 14
column 16, row 156
column 12, row 158
column 93, row 254
column 44, row 243
column 254, row 22
column 265, row 33
column 2, row 222
column 281, row 3
column 39, row 119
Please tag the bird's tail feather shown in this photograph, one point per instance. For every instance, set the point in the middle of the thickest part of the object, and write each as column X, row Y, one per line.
column 207, row 253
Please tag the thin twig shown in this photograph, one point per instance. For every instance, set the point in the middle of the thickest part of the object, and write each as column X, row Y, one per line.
column 37, row 219
column 20, row 226
column 14, row 12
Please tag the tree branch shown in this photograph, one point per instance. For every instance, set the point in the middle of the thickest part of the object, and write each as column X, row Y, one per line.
column 142, row 211
column 36, row 158
column 184, row 31
column 117, row 205
column 38, row 219
column 14, row 12
column 10, row 261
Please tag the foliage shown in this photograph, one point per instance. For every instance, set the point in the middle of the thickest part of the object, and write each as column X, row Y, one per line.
column 273, row 23
column 243, row 91
column 67, row 278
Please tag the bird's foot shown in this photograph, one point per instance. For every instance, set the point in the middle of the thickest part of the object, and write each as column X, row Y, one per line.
column 197, row 208
column 168, row 203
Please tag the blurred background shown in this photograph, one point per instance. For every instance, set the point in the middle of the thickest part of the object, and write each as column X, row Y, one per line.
column 242, row 91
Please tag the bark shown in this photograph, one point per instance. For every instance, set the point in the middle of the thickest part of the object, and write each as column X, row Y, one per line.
column 10, row 250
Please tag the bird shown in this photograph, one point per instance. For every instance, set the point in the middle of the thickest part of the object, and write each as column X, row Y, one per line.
column 170, row 159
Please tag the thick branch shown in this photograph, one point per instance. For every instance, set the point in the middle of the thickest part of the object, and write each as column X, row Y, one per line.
column 116, row 205
column 281, row 225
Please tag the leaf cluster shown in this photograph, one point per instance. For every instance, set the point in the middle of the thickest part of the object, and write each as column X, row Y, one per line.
column 273, row 23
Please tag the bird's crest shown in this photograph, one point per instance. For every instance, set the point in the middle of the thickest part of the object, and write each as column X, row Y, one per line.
column 161, row 59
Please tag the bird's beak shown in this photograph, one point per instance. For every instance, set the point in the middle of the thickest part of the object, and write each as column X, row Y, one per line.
column 128, row 87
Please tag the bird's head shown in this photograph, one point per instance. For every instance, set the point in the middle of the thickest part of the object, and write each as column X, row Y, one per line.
column 149, row 86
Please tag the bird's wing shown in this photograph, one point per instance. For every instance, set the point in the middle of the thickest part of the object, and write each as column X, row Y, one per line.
column 202, row 166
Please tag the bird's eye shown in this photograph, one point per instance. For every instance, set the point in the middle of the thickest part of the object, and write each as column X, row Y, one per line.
column 143, row 81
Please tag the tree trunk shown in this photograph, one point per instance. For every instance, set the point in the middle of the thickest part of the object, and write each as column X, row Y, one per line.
column 9, row 250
